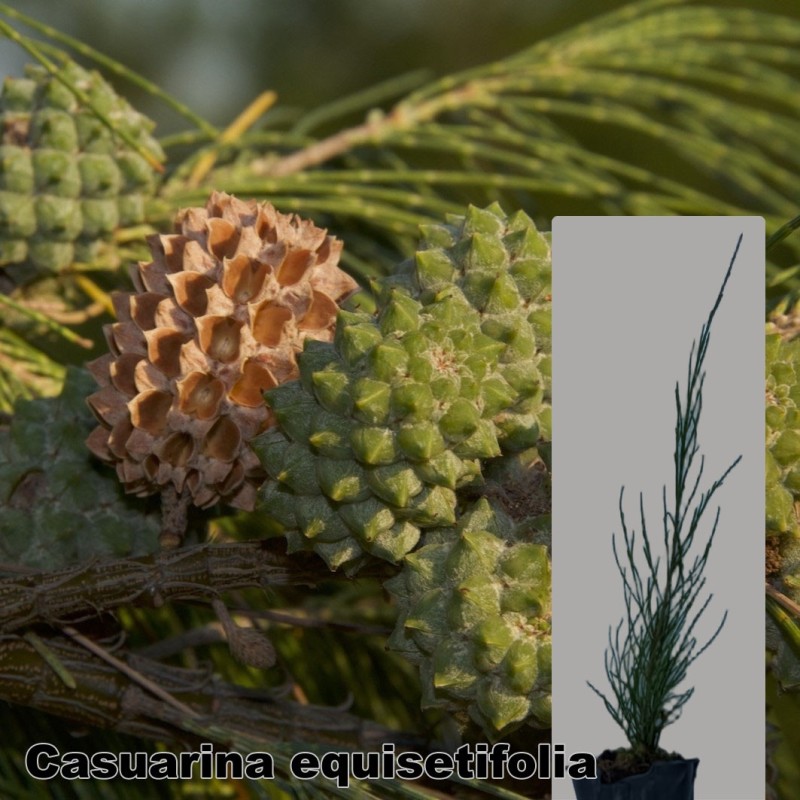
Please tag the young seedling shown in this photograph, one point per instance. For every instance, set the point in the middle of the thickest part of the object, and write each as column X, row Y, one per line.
column 654, row 644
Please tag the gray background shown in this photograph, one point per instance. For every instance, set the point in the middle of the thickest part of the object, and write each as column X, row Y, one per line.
column 629, row 296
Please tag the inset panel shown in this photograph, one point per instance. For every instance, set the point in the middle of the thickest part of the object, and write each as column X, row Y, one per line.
column 630, row 295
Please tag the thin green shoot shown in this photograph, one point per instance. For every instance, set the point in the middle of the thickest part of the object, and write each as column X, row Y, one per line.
column 655, row 643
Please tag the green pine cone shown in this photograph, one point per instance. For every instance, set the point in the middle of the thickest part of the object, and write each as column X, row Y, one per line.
column 782, row 433
column 474, row 607
column 782, row 491
column 67, row 182
column 384, row 425
column 501, row 265
column 57, row 507
column 388, row 421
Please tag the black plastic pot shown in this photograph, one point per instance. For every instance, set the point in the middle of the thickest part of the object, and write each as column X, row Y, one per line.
column 665, row 780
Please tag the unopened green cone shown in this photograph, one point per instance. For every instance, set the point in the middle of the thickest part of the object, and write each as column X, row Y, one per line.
column 450, row 371
column 474, row 605
column 67, row 180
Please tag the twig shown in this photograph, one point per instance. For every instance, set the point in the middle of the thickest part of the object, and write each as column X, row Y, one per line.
column 47, row 321
column 129, row 672
column 302, row 619
column 781, row 598
column 201, row 572
column 377, row 127
column 174, row 516
column 133, row 694
column 237, row 128
column 201, row 636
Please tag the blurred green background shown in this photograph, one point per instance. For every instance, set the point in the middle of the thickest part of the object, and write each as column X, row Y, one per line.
column 216, row 56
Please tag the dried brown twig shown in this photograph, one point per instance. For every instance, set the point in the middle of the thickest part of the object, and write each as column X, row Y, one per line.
column 84, row 592
column 189, row 703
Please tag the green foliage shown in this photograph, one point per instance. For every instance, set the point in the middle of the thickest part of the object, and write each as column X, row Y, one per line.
column 654, row 645
column 25, row 371
column 656, row 108
column 57, row 507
